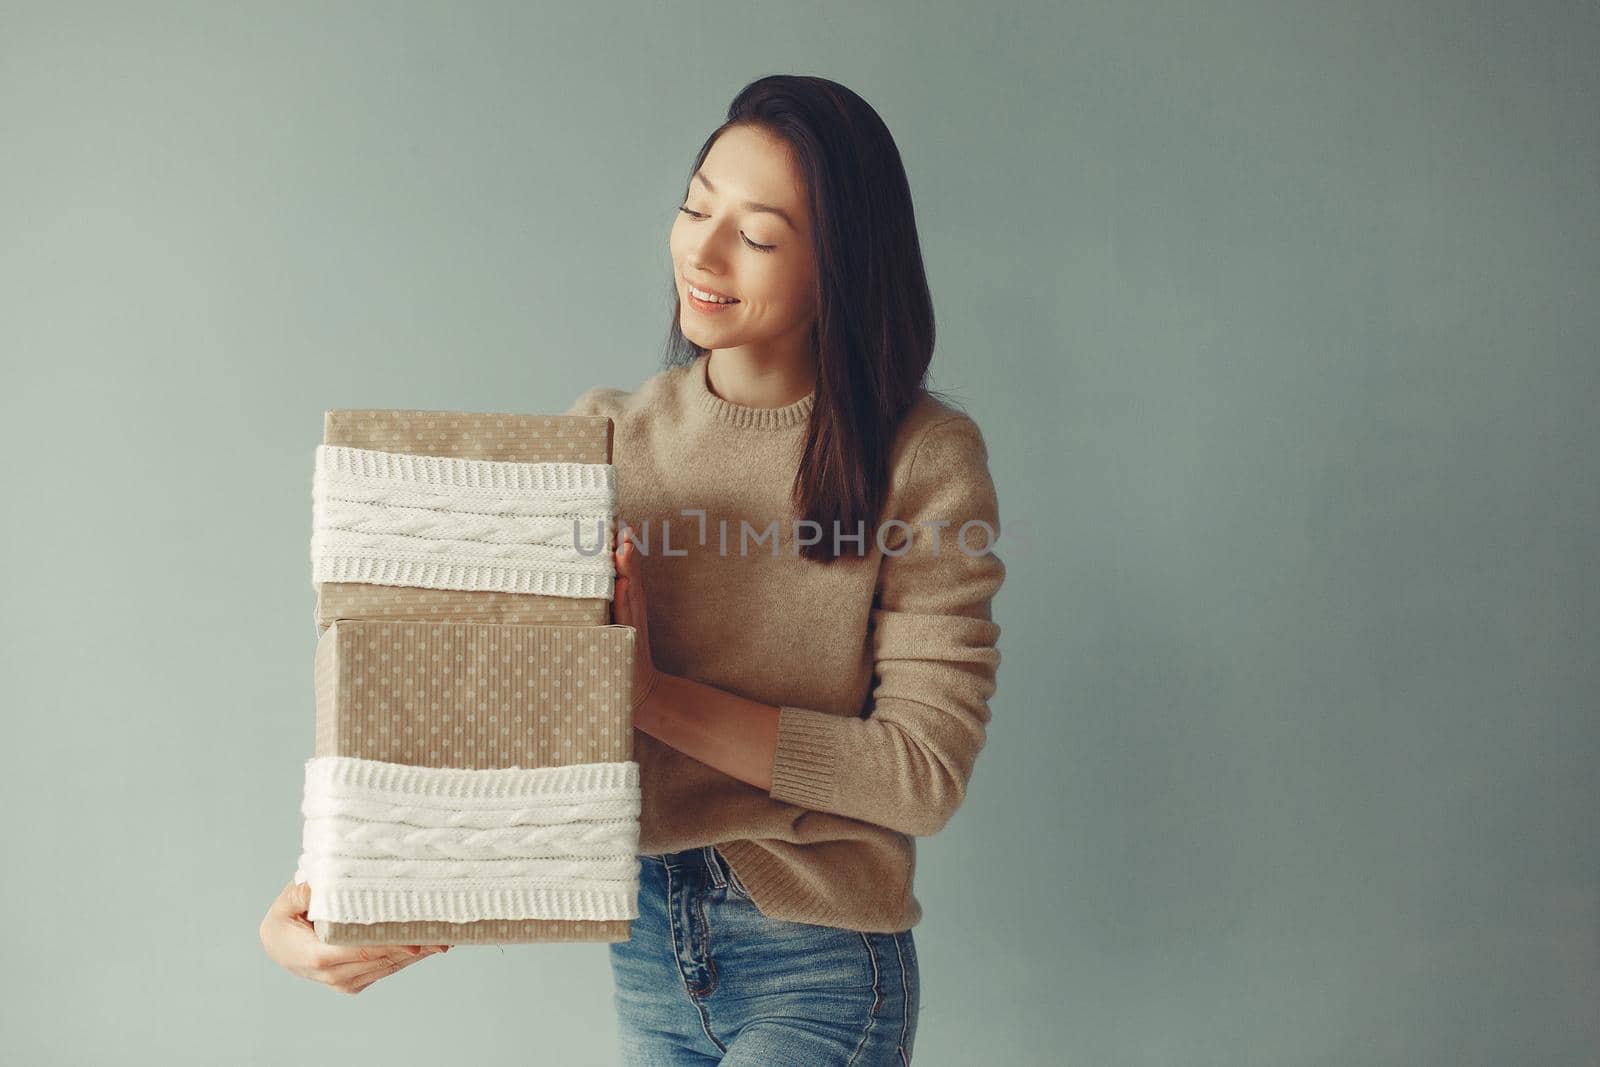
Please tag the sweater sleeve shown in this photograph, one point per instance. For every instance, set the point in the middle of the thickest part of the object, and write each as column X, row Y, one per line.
column 597, row 400
column 905, row 761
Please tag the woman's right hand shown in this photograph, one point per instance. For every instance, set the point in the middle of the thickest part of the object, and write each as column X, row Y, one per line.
column 292, row 943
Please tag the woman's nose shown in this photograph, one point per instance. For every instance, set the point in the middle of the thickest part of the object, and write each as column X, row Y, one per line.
column 704, row 260
column 708, row 250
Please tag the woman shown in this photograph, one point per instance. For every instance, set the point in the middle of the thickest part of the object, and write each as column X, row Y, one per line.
column 776, row 904
column 817, row 650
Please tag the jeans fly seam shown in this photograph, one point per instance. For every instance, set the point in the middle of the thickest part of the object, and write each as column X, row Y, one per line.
column 877, row 1001
column 711, row 965
column 677, row 942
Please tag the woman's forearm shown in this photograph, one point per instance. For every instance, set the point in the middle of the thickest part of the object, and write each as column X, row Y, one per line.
column 734, row 734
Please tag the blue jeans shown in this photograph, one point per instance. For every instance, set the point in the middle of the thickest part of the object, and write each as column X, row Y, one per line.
column 707, row 979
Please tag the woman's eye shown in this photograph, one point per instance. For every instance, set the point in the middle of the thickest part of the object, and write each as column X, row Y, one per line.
column 698, row 216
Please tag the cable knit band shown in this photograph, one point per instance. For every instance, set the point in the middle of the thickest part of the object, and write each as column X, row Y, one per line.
column 389, row 518
column 389, row 842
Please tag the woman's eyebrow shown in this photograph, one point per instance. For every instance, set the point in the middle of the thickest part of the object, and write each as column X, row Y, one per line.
column 751, row 205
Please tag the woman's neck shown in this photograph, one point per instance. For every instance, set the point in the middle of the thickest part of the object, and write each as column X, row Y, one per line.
column 751, row 381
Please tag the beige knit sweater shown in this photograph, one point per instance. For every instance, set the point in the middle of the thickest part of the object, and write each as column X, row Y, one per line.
column 882, row 666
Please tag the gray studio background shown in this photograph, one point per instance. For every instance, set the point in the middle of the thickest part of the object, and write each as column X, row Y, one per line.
column 1280, row 321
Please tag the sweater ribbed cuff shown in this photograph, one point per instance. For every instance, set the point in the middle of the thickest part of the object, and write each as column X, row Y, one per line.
column 805, row 763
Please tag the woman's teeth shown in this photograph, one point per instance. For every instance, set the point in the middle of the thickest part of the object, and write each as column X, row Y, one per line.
column 701, row 294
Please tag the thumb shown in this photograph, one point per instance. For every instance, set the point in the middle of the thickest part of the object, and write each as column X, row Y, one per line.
column 299, row 897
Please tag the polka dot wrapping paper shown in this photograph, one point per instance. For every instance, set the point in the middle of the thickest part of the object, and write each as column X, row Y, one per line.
column 475, row 696
column 474, row 679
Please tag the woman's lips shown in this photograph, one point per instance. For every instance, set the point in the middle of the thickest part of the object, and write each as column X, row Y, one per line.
column 706, row 307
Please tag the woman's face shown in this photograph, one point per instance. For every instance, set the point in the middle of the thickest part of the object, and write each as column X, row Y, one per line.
column 725, row 241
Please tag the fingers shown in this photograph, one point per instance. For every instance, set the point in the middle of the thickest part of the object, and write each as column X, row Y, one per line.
column 625, row 595
column 619, row 603
column 291, row 941
column 627, row 555
column 332, row 956
column 352, row 976
column 350, row 981
column 621, row 559
column 294, row 900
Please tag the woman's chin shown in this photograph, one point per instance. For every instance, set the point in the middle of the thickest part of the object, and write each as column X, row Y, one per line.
column 696, row 334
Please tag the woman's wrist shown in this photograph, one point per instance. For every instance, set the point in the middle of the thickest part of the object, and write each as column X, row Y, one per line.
column 647, row 702
column 647, row 690
column 732, row 733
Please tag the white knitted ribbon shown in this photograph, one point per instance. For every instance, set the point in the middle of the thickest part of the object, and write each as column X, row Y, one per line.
column 389, row 842
column 387, row 518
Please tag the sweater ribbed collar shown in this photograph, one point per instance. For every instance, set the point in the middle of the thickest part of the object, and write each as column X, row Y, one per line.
column 725, row 411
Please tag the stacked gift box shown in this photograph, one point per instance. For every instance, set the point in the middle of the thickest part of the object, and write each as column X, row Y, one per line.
column 473, row 777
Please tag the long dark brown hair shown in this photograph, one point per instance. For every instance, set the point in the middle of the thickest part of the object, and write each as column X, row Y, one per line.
column 874, row 332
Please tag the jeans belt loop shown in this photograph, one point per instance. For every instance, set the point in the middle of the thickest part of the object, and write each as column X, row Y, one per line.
column 714, row 863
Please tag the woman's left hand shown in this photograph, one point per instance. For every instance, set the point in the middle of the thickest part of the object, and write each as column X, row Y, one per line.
column 628, row 609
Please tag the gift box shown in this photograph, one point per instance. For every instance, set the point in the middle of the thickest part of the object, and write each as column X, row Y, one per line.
column 473, row 779
column 469, row 768
column 562, row 439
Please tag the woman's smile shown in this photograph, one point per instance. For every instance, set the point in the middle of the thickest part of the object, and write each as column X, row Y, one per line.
column 707, row 306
